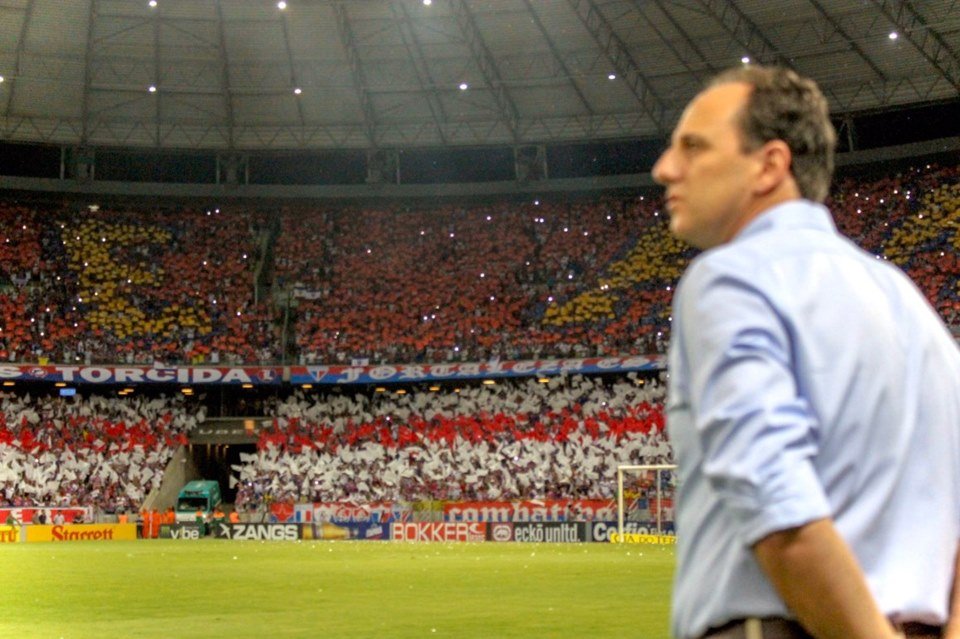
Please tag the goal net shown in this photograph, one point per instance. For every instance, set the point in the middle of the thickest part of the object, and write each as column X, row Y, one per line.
column 645, row 496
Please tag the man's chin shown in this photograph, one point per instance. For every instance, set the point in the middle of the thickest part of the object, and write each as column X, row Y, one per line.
column 677, row 228
column 687, row 235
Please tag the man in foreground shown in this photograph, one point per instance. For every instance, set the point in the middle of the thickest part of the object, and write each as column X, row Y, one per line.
column 814, row 404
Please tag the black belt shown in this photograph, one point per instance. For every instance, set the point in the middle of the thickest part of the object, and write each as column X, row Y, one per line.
column 918, row 629
column 770, row 628
column 780, row 628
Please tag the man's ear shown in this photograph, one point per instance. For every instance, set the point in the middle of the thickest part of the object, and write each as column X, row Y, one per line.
column 775, row 162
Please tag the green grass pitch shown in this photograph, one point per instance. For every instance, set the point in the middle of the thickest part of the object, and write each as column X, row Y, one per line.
column 218, row 588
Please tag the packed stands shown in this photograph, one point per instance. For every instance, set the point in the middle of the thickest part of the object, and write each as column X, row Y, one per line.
column 131, row 286
column 539, row 279
column 106, row 453
column 515, row 440
column 443, row 284
column 497, row 282
column 394, row 284
column 911, row 218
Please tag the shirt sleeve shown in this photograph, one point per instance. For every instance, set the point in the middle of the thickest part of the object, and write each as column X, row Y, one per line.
column 758, row 437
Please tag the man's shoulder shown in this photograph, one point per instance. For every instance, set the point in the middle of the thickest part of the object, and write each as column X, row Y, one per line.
column 734, row 262
column 774, row 244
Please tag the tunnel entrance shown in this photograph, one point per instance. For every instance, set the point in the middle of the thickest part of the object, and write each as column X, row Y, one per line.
column 217, row 444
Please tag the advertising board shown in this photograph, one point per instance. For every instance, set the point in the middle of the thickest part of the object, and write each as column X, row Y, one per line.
column 604, row 530
column 10, row 534
column 344, row 512
column 82, row 532
column 181, row 531
column 439, row 531
column 258, row 532
column 350, row 530
column 531, row 510
column 500, row 531
column 637, row 538
column 550, row 531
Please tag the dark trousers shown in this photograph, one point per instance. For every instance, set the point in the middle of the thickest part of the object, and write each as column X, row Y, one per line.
column 777, row 628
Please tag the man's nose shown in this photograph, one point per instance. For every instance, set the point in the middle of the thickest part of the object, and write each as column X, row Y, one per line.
column 664, row 171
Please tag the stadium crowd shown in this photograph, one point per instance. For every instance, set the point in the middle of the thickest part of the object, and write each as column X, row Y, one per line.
column 394, row 285
column 562, row 437
column 520, row 439
column 105, row 453
column 910, row 218
column 497, row 282
column 508, row 281
column 123, row 286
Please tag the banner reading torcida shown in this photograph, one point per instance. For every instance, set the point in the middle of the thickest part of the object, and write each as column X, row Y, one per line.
column 82, row 532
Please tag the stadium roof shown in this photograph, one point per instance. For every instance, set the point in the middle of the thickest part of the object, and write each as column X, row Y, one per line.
column 247, row 74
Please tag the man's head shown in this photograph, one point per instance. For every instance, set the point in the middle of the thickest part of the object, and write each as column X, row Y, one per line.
column 755, row 137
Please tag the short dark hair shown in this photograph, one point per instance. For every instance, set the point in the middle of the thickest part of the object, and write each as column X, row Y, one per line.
column 785, row 106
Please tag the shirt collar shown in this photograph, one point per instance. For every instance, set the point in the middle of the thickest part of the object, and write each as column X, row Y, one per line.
column 793, row 214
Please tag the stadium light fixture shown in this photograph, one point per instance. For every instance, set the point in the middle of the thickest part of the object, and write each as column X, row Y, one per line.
column 152, row 89
column 152, row 4
column 306, row 386
column 489, row 382
column 379, row 389
column 297, row 91
column 9, row 383
column 401, row 392
column 745, row 59
column 281, row 5
column 893, row 35
column 60, row 384
column 464, row 86
column 544, row 380
column 427, row 3
column 247, row 386
column 611, row 76
column 434, row 389
column 1, row 78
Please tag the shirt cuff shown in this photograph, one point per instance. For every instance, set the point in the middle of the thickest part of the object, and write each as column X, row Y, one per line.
column 781, row 502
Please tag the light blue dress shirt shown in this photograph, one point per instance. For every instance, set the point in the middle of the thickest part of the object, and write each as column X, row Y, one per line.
column 808, row 379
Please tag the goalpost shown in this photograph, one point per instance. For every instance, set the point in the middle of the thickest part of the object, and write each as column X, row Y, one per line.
column 645, row 493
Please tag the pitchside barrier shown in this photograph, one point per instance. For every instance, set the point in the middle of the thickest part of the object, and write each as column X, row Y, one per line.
column 258, row 532
column 645, row 505
column 645, row 515
column 540, row 531
column 468, row 531
column 10, row 534
column 68, row 532
column 438, row 531
column 628, row 538
column 181, row 531
column 379, row 513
